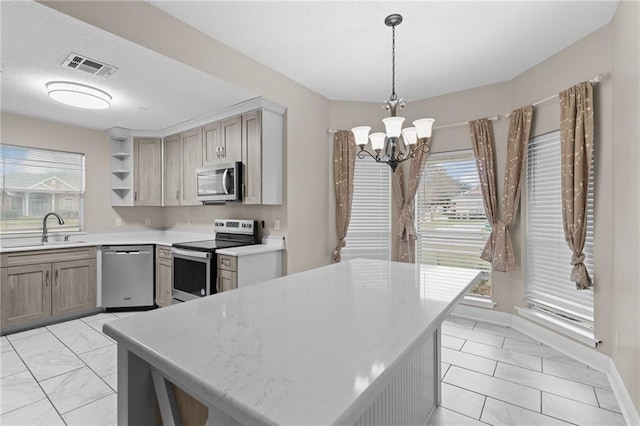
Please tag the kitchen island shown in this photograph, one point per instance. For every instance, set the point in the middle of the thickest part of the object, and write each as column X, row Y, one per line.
column 349, row 343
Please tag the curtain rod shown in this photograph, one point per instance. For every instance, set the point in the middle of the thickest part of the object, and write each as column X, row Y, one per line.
column 446, row 126
column 597, row 79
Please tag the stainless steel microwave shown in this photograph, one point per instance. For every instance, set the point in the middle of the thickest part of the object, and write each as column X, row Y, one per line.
column 220, row 183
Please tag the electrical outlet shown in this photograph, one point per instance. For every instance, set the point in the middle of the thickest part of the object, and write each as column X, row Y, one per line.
column 189, row 222
column 276, row 225
column 118, row 221
column 147, row 221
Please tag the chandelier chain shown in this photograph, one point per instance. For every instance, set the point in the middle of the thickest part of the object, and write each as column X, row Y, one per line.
column 393, row 63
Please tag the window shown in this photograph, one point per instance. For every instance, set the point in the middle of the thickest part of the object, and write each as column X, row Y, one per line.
column 38, row 181
column 450, row 221
column 548, row 256
column 369, row 233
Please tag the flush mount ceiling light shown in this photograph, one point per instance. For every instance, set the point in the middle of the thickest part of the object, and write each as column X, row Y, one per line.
column 415, row 138
column 78, row 95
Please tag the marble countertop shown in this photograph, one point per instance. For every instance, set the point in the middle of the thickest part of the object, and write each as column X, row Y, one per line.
column 301, row 349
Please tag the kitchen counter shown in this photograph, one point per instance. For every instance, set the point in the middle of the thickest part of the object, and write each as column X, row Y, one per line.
column 157, row 237
column 325, row 346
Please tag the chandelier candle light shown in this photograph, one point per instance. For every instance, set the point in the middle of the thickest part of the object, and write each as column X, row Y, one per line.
column 415, row 138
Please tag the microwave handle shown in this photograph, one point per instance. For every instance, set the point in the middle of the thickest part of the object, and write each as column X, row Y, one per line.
column 225, row 177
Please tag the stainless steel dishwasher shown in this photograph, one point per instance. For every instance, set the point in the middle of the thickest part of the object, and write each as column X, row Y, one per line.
column 127, row 276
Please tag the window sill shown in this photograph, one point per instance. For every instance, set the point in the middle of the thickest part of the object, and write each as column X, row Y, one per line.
column 557, row 324
column 479, row 302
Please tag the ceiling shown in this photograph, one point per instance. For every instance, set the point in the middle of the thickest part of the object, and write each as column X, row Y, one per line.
column 341, row 50
column 149, row 91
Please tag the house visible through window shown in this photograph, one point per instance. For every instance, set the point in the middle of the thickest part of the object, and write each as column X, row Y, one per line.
column 451, row 225
column 369, row 233
column 548, row 269
column 38, row 181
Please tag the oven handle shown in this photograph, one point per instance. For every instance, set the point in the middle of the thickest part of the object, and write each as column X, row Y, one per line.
column 191, row 253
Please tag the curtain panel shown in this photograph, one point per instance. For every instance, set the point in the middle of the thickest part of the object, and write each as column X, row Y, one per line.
column 344, row 157
column 407, row 228
column 482, row 141
column 576, row 144
column 502, row 257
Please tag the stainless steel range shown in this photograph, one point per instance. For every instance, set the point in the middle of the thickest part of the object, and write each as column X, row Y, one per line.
column 194, row 263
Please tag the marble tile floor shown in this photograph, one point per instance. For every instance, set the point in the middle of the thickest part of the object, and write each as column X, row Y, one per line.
column 66, row 374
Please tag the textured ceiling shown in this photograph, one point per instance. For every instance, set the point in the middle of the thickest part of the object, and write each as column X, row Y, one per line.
column 338, row 49
column 149, row 91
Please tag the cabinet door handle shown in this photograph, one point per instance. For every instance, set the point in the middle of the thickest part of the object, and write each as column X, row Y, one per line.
column 222, row 152
column 178, row 194
column 218, row 152
column 55, row 279
column 46, row 279
column 135, row 196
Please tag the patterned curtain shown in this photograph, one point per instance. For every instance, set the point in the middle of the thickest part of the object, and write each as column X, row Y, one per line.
column 483, row 150
column 407, row 228
column 502, row 258
column 576, row 143
column 344, row 157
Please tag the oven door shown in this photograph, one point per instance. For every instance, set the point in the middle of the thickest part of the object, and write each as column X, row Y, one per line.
column 193, row 276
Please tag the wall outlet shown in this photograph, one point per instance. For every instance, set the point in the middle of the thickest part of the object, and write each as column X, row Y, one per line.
column 189, row 222
column 147, row 221
column 276, row 225
column 118, row 221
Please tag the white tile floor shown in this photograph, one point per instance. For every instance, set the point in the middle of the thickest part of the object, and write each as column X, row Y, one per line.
column 66, row 374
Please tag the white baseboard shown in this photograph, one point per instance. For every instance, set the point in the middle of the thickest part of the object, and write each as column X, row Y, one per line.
column 484, row 315
column 625, row 402
column 565, row 345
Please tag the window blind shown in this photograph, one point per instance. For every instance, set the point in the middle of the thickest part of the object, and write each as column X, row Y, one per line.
column 451, row 223
column 37, row 181
column 369, row 232
column 548, row 256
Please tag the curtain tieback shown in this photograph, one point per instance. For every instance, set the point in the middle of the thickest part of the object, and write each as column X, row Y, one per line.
column 576, row 260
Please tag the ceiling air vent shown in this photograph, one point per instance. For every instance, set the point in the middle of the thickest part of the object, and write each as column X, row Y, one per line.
column 90, row 66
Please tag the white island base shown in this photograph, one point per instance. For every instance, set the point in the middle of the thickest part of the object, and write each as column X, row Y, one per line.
column 351, row 343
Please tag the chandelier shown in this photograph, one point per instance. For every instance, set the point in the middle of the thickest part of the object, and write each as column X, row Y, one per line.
column 388, row 146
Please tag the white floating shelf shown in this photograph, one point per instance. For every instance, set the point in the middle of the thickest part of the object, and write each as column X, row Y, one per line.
column 121, row 172
column 120, row 155
column 121, row 189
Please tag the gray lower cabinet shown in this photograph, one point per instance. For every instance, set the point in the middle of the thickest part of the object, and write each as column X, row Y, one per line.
column 43, row 285
column 163, row 276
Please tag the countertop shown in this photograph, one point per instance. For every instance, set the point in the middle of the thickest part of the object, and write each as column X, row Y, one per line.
column 301, row 349
column 157, row 237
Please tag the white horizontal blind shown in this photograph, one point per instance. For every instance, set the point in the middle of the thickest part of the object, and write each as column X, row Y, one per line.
column 548, row 256
column 38, row 181
column 369, row 233
column 451, row 223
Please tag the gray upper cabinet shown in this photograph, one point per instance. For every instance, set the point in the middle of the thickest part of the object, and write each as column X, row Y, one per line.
column 172, row 167
column 262, row 156
column 147, row 183
column 191, row 148
column 222, row 141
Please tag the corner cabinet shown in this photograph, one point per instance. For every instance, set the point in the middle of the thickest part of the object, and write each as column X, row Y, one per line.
column 147, row 184
column 136, row 169
column 43, row 285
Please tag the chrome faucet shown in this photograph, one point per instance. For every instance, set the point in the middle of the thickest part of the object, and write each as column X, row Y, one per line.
column 45, row 237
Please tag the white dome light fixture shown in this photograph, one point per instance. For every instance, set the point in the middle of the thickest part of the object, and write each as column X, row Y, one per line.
column 78, row 95
column 415, row 138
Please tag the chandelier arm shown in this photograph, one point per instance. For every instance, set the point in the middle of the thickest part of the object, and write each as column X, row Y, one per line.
column 364, row 151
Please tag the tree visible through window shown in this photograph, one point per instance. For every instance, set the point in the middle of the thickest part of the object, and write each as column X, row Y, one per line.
column 38, row 181
column 451, row 224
